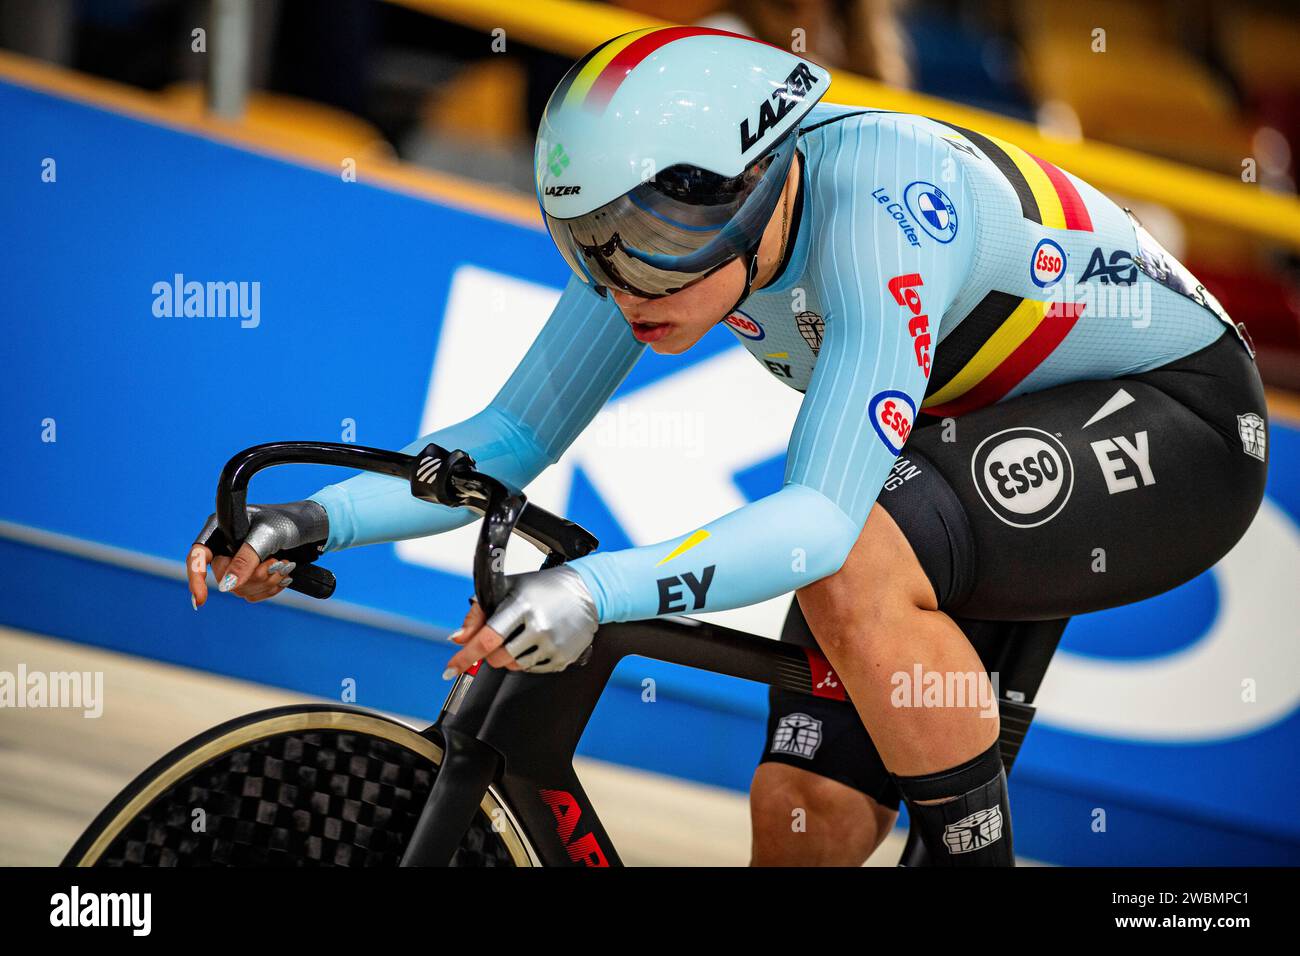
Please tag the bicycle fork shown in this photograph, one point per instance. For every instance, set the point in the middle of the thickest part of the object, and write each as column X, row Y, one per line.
column 469, row 767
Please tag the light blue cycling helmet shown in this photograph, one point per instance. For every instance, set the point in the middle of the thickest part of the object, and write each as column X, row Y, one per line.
column 662, row 154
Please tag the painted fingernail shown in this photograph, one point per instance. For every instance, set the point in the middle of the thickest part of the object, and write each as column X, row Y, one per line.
column 228, row 582
column 275, row 568
column 288, row 567
column 449, row 673
column 286, row 582
column 194, row 602
column 455, row 634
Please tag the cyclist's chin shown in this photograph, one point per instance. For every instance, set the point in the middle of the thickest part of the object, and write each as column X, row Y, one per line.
column 672, row 324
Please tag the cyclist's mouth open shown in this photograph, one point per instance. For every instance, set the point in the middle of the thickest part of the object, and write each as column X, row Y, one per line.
column 650, row 331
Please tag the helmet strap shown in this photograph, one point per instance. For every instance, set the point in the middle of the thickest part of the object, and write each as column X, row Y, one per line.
column 751, row 273
column 751, row 264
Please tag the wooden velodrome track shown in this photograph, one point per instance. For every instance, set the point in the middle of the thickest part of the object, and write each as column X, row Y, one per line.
column 58, row 768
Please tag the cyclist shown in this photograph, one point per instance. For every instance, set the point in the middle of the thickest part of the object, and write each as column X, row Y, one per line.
column 1016, row 407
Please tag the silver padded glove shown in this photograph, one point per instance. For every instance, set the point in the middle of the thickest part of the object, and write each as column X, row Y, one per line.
column 276, row 528
column 547, row 619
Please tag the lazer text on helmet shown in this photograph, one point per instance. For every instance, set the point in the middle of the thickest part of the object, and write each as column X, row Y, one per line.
column 782, row 100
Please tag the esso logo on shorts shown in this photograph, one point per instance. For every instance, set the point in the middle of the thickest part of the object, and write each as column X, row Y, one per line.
column 745, row 326
column 933, row 209
column 1048, row 264
column 892, row 414
column 1024, row 475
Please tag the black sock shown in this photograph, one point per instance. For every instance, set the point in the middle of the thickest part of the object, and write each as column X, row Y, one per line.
column 974, row 829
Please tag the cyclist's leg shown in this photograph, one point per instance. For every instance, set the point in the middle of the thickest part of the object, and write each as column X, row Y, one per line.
column 1124, row 514
column 800, row 818
column 821, row 795
column 920, row 689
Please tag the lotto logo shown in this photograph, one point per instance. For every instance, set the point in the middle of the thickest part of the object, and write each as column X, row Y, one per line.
column 742, row 324
column 892, row 414
column 903, row 289
column 1047, row 265
column 1024, row 475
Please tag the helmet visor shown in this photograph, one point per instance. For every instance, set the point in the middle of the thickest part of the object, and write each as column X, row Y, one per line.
column 674, row 229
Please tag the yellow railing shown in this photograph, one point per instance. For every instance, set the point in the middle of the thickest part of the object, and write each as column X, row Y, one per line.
column 572, row 27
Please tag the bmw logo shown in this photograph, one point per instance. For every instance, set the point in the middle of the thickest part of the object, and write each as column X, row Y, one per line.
column 932, row 208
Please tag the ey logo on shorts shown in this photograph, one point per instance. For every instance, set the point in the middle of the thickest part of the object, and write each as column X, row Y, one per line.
column 1024, row 475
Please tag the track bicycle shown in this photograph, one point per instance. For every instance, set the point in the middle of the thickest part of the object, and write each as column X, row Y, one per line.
column 491, row 782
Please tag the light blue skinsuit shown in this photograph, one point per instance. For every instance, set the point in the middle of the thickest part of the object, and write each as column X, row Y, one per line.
column 885, row 196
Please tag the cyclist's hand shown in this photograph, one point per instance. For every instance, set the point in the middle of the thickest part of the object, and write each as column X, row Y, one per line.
column 272, row 529
column 545, row 623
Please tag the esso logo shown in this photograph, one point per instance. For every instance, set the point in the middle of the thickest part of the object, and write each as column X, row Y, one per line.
column 1024, row 475
column 1048, row 264
column 892, row 414
column 744, row 325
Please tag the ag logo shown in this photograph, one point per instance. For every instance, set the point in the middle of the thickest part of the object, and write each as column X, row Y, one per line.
column 892, row 414
column 1024, row 475
column 1047, row 264
column 932, row 208
column 1120, row 270
column 744, row 325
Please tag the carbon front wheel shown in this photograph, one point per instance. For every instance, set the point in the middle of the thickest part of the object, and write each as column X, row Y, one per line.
column 307, row 785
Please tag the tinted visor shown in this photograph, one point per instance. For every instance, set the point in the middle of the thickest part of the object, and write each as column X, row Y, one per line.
column 677, row 228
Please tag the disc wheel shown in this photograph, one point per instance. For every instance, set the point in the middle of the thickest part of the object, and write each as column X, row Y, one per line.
column 309, row 785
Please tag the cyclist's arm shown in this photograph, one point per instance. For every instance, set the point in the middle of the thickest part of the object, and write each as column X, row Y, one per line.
column 837, row 462
column 581, row 355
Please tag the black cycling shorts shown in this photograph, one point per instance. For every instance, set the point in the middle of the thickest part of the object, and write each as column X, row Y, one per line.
column 1086, row 496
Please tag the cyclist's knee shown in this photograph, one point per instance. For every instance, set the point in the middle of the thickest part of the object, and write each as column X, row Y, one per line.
column 804, row 819
column 879, row 585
